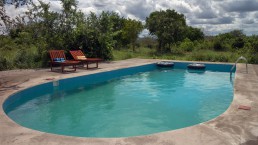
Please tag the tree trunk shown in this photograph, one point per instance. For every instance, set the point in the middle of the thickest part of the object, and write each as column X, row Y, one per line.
column 160, row 45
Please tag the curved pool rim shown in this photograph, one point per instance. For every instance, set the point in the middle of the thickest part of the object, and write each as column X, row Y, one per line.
column 96, row 78
column 10, row 123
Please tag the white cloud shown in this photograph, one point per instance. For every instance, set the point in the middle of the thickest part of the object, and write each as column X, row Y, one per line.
column 212, row 16
column 13, row 12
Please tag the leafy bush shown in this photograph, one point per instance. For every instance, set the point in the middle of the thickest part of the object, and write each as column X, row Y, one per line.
column 122, row 54
column 217, row 46
column 187, row 45
column 203, row 45
column 27, row 45
column 252, row 58
column 177, row 51
column 238, row 43
column 255, row 46
column 23, row 59
column 3, row 63
column 210, row 56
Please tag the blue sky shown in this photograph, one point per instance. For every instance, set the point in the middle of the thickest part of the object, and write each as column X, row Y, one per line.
column 212, row 16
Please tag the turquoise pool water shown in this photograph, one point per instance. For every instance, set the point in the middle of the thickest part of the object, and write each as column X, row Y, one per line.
column 127, row 102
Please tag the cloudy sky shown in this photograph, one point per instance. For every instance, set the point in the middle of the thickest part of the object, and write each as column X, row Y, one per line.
column 212, row 16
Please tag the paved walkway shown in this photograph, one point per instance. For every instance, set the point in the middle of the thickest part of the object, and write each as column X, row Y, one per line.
column 234, row 127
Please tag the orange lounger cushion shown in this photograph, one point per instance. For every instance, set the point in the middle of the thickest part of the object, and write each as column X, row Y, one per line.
column 81, row 58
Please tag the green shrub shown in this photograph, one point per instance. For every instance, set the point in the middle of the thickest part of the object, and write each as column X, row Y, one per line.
column 187, row 45
column 122, row 54
column 217, row 46
column 221, row 58
column 203, row 45
column 197, row 56
column 23, row 59
column 3, row 64
column 253, row 58
column 255, row 46
column 210, row 56
column 238, row 43
column 177, row 51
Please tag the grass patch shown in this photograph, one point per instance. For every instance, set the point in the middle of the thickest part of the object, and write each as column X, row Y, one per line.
column 212, row 56
column 141, row 52
column 177, row 54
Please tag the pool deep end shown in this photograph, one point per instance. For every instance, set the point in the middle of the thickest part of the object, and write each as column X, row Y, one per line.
column 78, row 83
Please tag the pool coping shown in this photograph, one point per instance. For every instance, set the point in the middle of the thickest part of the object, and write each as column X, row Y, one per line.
column 234, row 126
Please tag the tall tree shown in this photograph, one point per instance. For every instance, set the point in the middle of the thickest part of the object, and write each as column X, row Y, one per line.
column 118, row 24
column 131, row 30
column 168, row 26
column 100, row 40
column 6, row 22
column 194, row 33
column 67, row 22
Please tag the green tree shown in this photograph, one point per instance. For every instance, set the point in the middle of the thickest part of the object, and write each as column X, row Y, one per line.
column 194, row 33
column 118, row 24
column 131, row 30
column 67, row 22
column 100, row 40
column 43, row 23
column 234, row 39
column 7, row 22
column 238, row 43
column 239, row 38
column 254, row 42
column 168, row 26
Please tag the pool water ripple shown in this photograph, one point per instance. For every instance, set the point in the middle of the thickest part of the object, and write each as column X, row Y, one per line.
column 139, row 104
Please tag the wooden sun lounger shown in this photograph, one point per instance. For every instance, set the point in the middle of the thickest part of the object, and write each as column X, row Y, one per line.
column 58, row 58
column 78, row 55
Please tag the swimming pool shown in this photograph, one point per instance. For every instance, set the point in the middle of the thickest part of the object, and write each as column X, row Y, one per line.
column 126, row 102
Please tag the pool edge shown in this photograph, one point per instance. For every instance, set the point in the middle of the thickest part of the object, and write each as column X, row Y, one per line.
column 27, row 136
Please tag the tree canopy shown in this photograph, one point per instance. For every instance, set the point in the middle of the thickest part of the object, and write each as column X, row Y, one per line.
column 167, row 25
column 131, row 30
column 170, row 27
column 42, row 29
column 27, row 38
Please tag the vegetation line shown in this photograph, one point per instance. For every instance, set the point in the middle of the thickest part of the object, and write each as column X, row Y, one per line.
column 26, row 39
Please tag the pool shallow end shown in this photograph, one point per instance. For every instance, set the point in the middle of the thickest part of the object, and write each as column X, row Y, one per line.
column 217, row 131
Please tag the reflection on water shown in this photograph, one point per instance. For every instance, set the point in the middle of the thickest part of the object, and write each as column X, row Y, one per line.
column 144, row 103
column 197, row 71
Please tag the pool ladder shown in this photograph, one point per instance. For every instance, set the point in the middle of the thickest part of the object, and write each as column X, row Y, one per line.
column 240, row 58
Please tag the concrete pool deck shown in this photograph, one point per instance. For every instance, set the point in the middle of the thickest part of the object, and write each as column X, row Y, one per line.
column 234, row 127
